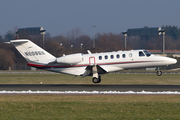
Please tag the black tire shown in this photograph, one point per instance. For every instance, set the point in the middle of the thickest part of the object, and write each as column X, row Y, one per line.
column 96, row 80
column 99, row 80
column 159, row 73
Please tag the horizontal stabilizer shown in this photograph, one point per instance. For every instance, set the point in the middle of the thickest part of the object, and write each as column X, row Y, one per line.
column 19, row 41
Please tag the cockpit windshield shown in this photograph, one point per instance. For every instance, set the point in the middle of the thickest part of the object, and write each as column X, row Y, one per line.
column 147, row 53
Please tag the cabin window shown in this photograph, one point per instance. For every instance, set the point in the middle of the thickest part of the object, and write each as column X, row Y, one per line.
column 130, row 54
column 117, row 56
column 123, row 55
column 100, row 57
column 141, row 54
column 106, row 57
column 112, row 56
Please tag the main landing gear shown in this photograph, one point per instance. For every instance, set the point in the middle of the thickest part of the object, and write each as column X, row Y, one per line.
column 96, row 76
column 159, row 73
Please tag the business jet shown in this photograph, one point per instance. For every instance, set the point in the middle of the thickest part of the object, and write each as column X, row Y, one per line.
column 91, row 64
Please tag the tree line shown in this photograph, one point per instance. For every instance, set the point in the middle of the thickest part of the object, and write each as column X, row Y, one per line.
column 75, row 41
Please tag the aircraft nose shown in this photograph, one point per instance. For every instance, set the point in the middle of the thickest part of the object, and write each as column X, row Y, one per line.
column 172, row 61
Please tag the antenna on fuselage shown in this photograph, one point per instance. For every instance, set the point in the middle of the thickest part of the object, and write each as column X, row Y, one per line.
column 89, row 52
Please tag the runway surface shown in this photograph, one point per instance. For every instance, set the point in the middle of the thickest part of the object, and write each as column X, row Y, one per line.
column 84, row 87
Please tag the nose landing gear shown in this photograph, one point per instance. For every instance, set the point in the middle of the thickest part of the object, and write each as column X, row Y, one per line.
column 159, row 73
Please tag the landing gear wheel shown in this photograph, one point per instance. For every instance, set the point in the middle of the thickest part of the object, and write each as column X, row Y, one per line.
column 96, row 80
column 99, row 79
column 159, row 73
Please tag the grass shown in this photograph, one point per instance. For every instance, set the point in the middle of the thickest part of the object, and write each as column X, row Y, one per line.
column 49, row 78
column 90, row 107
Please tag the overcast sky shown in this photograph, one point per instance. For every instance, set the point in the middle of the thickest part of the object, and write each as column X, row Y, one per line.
column 60, row 16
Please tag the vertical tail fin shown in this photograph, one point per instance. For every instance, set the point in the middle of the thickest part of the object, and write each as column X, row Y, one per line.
column 31, row 52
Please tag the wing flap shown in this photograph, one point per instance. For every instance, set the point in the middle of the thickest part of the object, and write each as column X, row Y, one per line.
column 89, row 70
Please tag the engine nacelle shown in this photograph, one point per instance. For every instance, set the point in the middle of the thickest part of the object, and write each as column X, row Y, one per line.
column 70, row 59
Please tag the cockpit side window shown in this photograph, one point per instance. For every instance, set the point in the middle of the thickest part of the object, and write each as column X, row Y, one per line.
column 141, row 54
column 147, row 53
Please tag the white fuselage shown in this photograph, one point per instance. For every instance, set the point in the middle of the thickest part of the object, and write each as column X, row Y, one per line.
column 110, row 61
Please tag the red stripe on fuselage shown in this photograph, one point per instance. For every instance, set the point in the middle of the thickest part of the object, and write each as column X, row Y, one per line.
column 84, row 65
column 65, row 66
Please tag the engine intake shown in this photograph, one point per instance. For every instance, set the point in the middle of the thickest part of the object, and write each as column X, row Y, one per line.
column 70, row 59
